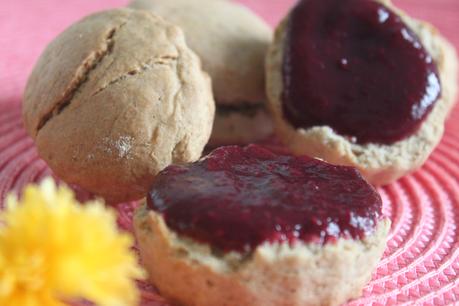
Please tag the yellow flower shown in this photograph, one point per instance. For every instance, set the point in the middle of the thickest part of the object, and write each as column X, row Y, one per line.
column 52, row 250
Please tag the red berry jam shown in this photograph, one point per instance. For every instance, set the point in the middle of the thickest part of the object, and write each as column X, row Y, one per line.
column 238, row 198
column 355, row 66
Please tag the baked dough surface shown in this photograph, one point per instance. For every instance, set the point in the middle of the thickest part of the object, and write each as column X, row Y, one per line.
column 116, row 98
column 230, row 40
column 232, row 43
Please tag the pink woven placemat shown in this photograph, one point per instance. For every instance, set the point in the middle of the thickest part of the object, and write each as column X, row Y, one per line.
column 421, row 263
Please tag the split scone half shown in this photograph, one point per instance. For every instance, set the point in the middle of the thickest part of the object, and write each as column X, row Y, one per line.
column 247, row 227
column 372, row 88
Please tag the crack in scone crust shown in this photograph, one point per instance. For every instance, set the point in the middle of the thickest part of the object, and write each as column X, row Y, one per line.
column 82, row 75
column 162, row 60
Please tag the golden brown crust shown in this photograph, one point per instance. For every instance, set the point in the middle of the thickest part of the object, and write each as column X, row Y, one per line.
column 273, row 275
column 380, row 164
column 116, row 98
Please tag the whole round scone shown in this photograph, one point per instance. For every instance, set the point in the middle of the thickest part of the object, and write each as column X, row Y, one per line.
column 232, row 43
column 376, row 91
column 248, row 227
column 116, row 98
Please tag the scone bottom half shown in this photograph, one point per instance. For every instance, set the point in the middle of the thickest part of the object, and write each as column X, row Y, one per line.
column 360, row 83
column 240, row 124
column 247, row 226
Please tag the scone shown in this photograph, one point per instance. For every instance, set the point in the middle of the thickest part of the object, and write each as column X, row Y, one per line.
column 116, row 98
column 247, row 227
column 232, row 43
column 360, row 83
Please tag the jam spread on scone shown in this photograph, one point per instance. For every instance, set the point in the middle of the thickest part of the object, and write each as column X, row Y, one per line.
column 238, row 198
column 355, row 66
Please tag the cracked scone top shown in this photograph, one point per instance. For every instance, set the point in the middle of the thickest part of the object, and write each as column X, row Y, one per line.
column 232, row 43
column 114, row 99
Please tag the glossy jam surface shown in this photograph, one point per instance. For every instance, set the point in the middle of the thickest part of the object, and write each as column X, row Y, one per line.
column 238, row 198
column 355, row 66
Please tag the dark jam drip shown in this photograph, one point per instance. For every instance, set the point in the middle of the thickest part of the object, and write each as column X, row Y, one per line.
column 238, row 198
column 355, row 66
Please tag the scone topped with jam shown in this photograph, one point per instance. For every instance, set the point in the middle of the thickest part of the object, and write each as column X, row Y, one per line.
column 254, row 227
column 232, row 43
column 358, row 82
